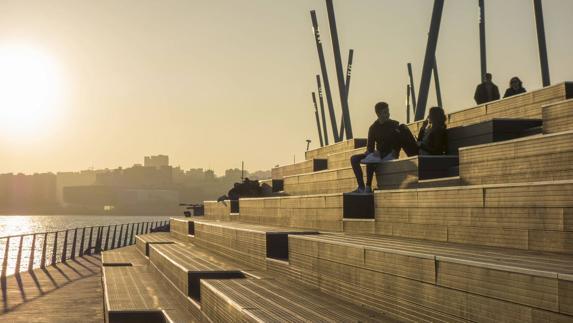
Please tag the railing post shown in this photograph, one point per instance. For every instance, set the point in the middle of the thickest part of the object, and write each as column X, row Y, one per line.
column 138, row 231
column 98, row 240
column 19, row 256
column 132, row 234
column 73, row 256
column 114, row 236
column 65, row 247
column 126, row 235
column 82, row 242
column 32, row 251
column 6, row 254
column 89, row 248
column 54, row 249
column 44, row 247
column 106, row 238
column 119, row 239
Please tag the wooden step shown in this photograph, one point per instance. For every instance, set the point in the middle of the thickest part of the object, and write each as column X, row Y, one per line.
column 143, row 241
column 268, row 300
column 323, row 152
column 134, row 294
column 530, row 216
column 218, row 210
column 399, row 173
column 126, row 256
column 186, row 265
column 181, row 228
column 536, row 158
column 307, row 166
column 558, row 117
column 249, row 243
column 471, row 283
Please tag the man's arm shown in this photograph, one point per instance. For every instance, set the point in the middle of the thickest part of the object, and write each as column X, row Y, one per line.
column 476, row 95
column 371, row 141
column 495, row 92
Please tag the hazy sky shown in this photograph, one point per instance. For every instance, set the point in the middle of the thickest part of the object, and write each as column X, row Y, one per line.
column 211, row 83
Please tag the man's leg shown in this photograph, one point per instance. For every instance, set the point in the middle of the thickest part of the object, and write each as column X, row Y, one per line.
column 355, row 161
column 370, row 170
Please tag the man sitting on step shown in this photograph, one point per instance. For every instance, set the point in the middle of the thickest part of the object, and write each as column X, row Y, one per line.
column 385, row 137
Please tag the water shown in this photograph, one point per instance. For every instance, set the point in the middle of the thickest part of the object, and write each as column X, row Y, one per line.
column 29, row 224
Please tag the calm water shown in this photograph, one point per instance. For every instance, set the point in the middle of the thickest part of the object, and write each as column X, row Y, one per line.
column 25, row 224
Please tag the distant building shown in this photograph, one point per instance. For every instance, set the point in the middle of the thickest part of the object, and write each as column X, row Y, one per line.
column 156, row 161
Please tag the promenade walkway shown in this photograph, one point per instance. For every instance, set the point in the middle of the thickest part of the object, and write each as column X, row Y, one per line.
column 65, row 292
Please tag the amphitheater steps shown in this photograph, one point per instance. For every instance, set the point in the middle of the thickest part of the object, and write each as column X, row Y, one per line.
column 537, row 158
column 558, row 117
column 143, row 241
column 307, row 166
column 471, row 283
column 323, row 152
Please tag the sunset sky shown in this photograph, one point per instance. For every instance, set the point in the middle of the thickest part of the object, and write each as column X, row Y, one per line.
column 210, row 83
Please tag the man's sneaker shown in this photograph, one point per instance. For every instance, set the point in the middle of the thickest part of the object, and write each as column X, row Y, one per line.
column 367, row 190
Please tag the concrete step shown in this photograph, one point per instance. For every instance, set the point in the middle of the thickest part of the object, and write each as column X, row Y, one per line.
column 471, row 283
column 530, row 159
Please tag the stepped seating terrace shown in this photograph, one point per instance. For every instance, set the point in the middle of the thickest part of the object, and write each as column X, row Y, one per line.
column 494, row 244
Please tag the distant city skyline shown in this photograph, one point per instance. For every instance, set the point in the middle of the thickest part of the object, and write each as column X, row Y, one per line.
column 213, row 83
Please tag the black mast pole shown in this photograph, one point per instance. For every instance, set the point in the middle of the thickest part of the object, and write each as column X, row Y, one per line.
column 322, row 113
column 408, row 103
column 317, row 119
column 541, row 42
column 339, row 72
column 412, row 88
column 324, row 75
column 437, row 84
column 482, row 46
column 348, row 76
column 429, row 59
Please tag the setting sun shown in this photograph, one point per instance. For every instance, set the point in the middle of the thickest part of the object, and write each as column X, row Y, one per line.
column 30, row 92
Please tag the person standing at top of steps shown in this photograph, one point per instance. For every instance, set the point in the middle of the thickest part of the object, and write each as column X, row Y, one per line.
column 383, row 144
column 486, row 91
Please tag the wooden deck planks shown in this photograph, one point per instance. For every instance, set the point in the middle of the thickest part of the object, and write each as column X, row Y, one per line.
column 66, row 292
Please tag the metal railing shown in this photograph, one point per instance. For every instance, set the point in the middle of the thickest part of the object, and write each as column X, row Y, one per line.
column 38, row 250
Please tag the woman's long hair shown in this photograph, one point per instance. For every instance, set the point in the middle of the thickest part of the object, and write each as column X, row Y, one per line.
column 438, row 117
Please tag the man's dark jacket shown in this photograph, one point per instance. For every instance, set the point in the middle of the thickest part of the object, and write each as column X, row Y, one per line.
column 482, row 96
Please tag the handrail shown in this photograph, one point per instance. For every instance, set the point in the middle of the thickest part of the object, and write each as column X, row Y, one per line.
column 62, row 250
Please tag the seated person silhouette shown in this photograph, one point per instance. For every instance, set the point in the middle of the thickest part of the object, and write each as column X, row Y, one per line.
column 383, row 144
column 432, row 138
column 515, row 87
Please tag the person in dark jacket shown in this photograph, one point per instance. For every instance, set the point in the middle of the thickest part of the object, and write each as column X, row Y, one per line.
column 383, row 141
column 432, row 138
column 515, row 87
column 487, row 91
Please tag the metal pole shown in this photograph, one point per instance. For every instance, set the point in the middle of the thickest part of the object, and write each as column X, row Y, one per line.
column 317, row 119
column 55, row 248
column 347, row 84
column 105, row 247
column 437, row 85
column 408, row 103
column 32, row 251
column 126, row 235
column 339, row 71
column 412, row 88
column 429, row 59
column 65, row 247
column 114, row 236
column 322, row 113
column 482, row 45
column 131, row 235
column 73, row 256
column 19, row 256
column 544, row 61
column 89, row 248
column 82, row 242
column 44, row 247
column 324, row 75
column 6, row 255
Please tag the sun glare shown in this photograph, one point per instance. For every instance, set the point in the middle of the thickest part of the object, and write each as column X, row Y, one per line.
column 30, row 92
